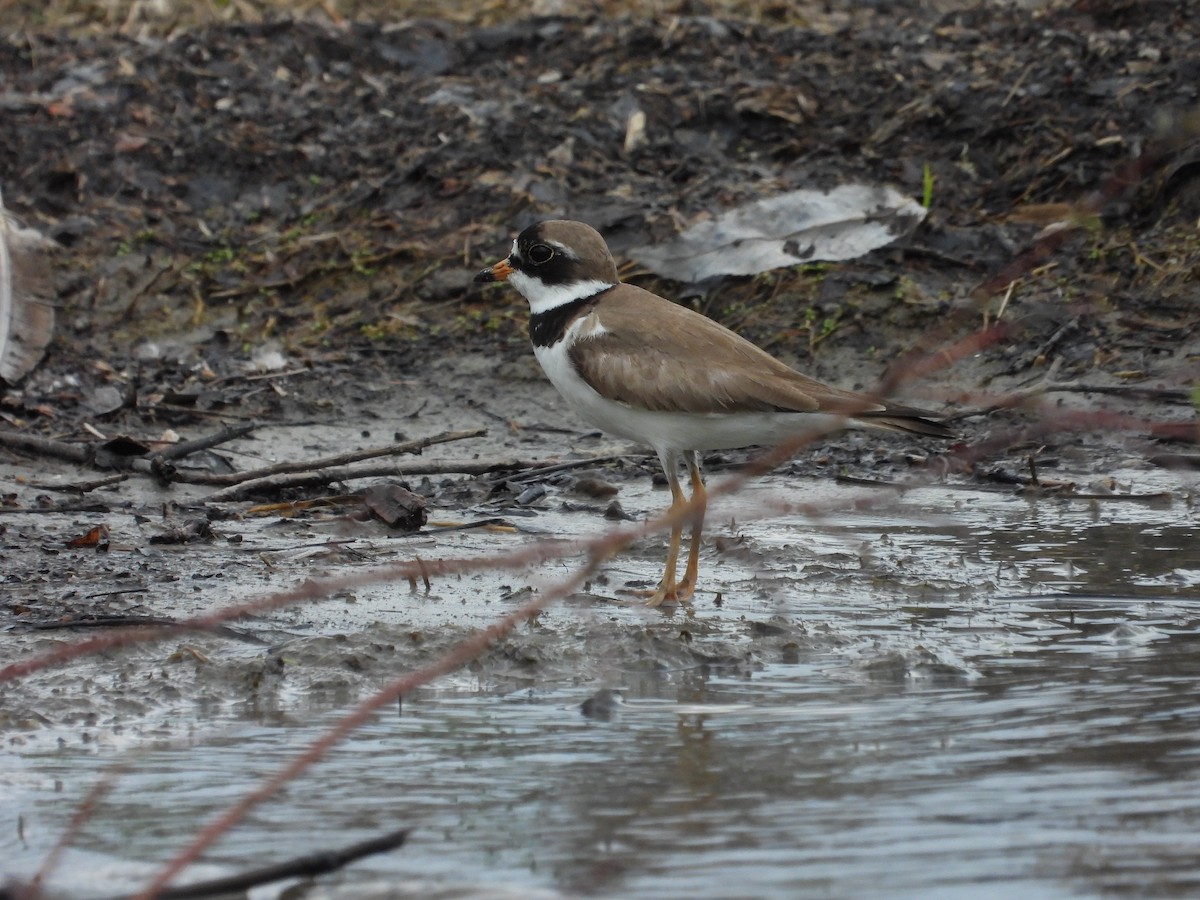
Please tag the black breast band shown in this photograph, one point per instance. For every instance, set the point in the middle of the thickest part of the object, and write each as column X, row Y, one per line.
column 548, row 327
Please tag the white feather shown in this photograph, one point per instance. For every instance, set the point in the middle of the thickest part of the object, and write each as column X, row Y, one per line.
column 543, row 297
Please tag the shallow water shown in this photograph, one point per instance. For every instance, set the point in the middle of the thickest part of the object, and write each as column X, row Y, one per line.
column 959, row 694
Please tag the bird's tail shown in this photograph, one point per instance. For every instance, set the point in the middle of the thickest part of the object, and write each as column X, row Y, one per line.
column 908, row 420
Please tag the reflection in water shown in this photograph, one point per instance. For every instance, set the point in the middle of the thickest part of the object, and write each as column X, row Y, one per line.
column 988, row 701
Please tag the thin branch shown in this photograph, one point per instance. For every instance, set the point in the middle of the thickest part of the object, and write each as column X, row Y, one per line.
column 94, row 506
column 1158, row 395
column 275, row 483
column 17, row 440
column 315, row 465
column 535, row 471
column 135, row 622
column 306, row 866
column 226, row 434
column 81, row 487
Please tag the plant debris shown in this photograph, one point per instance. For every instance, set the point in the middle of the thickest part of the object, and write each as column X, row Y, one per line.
column 801, row 226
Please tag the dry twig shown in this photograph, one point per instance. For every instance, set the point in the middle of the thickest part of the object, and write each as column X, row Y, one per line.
column 325, row 470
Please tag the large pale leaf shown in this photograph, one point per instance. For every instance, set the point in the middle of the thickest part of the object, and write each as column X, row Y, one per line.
column 26, row 323
column 784, row 230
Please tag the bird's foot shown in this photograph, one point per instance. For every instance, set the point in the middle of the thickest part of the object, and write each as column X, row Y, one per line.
column 684, row 591
column 673, row 595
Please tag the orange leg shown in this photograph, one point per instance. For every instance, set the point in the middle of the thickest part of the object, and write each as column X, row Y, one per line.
column 667, row 590
column 687, row 587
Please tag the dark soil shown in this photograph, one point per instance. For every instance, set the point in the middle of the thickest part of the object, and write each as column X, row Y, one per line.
column 336, row 188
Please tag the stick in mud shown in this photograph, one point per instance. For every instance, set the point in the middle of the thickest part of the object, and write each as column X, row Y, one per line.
column 17, row 440
column 226, row 434
column 312, row 466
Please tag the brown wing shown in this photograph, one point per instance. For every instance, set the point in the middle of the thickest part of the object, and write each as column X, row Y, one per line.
column 640, row 349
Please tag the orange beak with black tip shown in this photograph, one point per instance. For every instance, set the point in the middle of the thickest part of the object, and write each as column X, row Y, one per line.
column 499, row 272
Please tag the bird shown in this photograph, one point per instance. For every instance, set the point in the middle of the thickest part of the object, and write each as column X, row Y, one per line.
column 641, row 367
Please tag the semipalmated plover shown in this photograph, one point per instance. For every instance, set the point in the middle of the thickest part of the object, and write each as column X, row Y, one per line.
column 639, row 366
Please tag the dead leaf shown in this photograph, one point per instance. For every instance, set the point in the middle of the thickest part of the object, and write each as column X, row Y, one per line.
column 785, row 230
column 96, row 537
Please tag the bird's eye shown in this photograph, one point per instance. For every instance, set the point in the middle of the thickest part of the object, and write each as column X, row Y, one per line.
column 540, row 254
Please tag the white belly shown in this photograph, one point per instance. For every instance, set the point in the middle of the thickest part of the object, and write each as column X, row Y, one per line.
column 673, row 431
